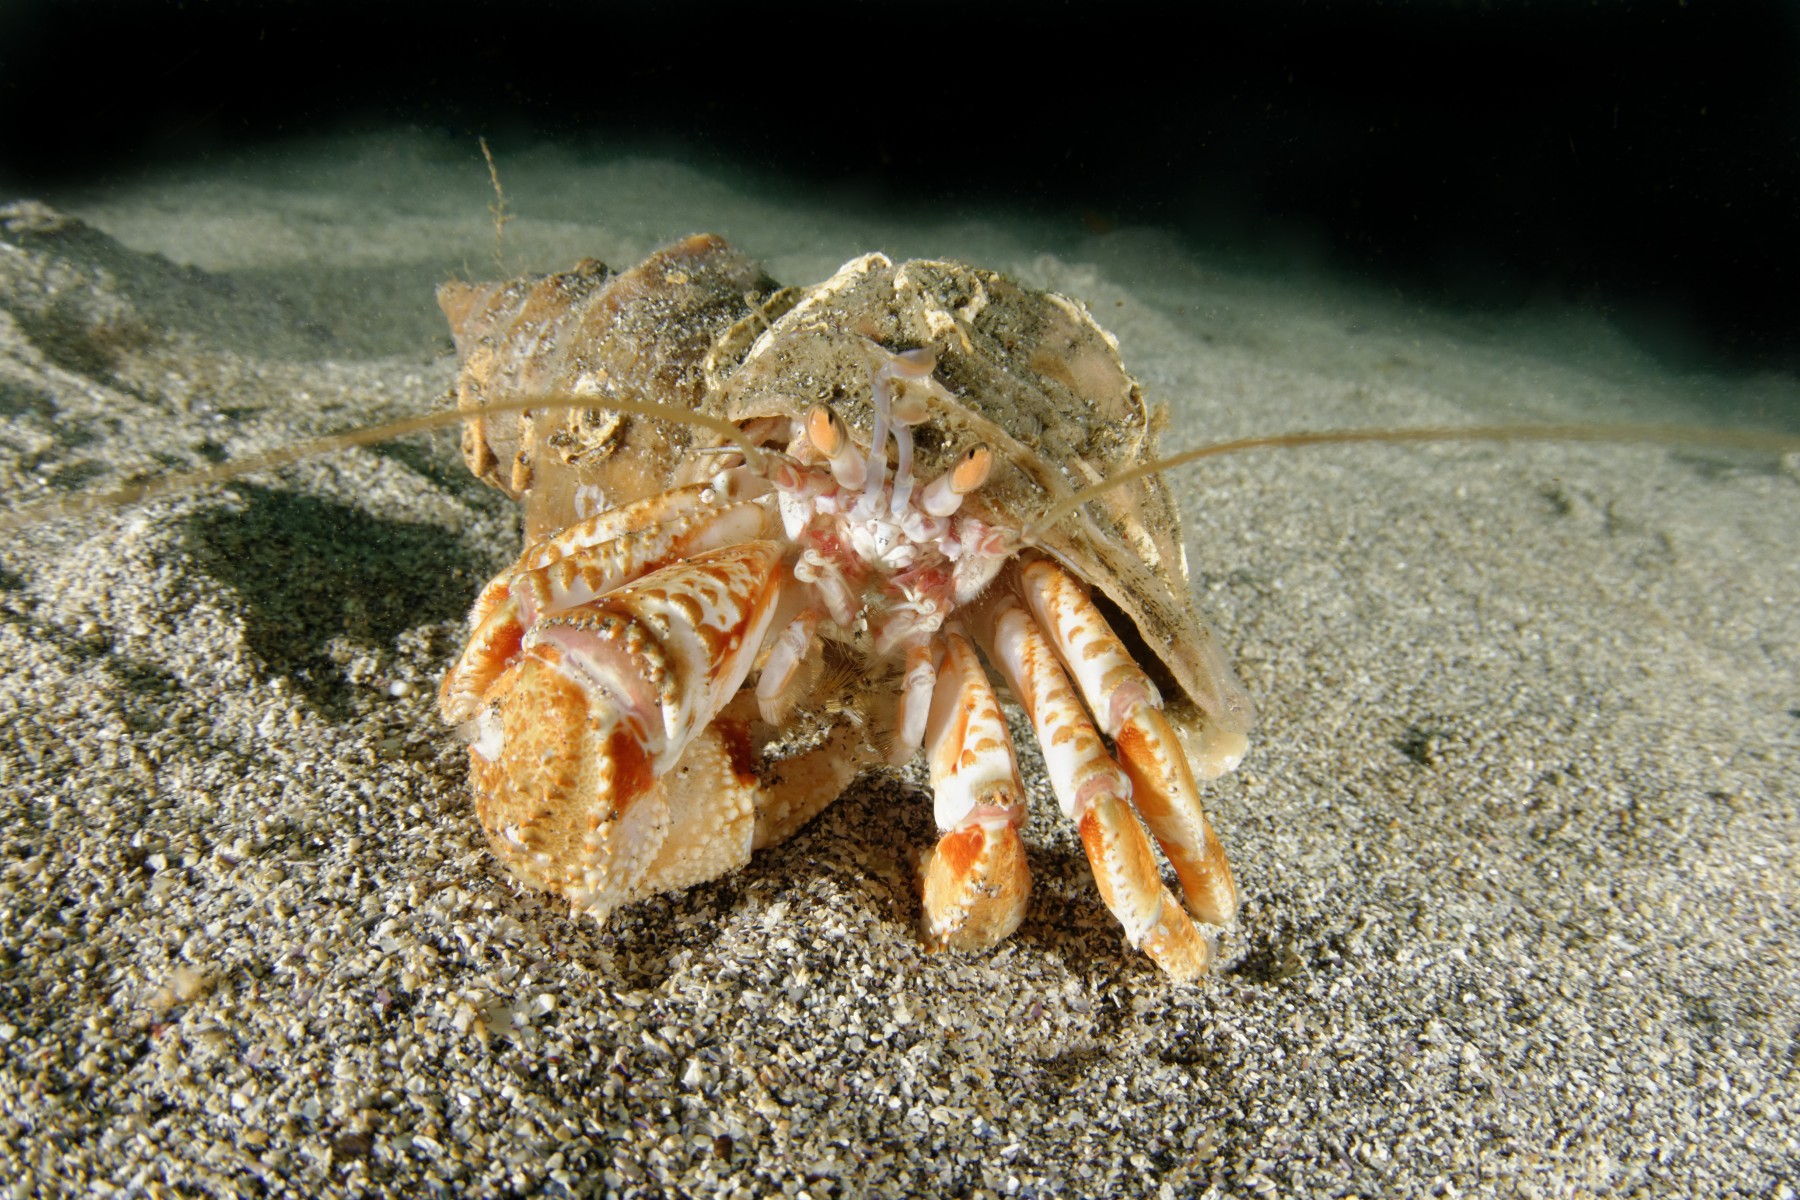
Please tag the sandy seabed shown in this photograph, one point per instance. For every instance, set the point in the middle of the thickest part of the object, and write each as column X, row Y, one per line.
column 1517, row 837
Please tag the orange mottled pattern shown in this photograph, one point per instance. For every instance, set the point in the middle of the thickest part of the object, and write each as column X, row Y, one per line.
column 734, row 736
column 975, row 884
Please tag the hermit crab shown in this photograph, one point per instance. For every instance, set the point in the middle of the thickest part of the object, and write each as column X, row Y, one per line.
column 776, row 536
column 820, row 564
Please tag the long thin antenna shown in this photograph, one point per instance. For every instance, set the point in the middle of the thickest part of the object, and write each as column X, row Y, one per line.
column 1680, row 435
column 151, row 489
column 497, row 208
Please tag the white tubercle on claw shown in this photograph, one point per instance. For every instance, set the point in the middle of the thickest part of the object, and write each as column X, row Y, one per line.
column 486, row 737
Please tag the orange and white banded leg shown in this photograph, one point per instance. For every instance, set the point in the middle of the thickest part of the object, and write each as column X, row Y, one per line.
column 577, row 728
column 975, row 882
column 1126, row 704
column 1093, row 791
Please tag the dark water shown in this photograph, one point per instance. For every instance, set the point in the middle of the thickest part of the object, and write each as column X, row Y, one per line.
column 1635, row 160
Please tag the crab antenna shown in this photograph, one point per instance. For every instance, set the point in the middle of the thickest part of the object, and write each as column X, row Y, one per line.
column 1678, row 435
column 906, row 409
column 151, row 489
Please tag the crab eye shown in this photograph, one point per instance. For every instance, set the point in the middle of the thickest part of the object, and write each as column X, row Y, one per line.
column 825, row 430
column 972, row 469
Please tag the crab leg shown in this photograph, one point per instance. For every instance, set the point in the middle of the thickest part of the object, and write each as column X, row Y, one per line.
column 917, row 688
column 633, row 539
column 674, row 507
column 1129, row 710
column 1092, row 790
column 775, row 687
column 800, row 787
column 975, row 881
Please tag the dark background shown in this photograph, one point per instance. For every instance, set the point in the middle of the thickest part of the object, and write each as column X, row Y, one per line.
column 1643, row 159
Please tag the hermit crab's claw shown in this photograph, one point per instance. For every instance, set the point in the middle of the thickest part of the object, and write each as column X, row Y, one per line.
column 585, row 710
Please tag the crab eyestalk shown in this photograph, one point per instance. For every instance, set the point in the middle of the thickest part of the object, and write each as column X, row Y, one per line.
column 897, row 405
column 826, row 431
column 944, row 495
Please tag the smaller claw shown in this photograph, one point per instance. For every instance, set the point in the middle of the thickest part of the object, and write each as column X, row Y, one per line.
column 774, row 688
